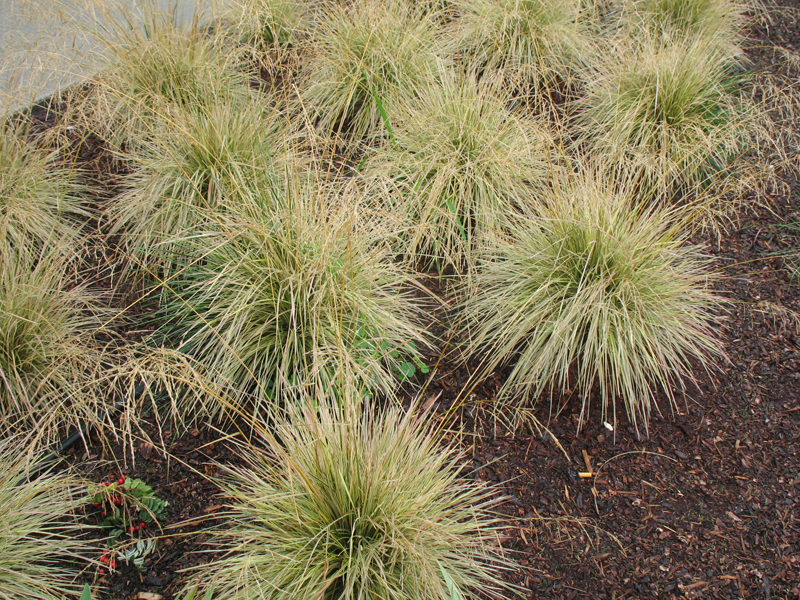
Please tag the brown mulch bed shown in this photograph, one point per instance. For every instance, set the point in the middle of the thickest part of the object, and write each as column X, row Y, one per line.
column 706, row 504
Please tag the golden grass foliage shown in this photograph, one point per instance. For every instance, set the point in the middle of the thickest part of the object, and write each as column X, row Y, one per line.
column 348, row 505
column 599, row 281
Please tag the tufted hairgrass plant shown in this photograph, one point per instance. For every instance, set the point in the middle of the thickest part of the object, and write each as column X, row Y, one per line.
column 270, row 24
column 672, row 112
column 459, row 164
column 155, row 62
column 601, row 284
column 722, row 20
column 50, row 360
column 208, row 159
column 351, row 505
column 539, row 47
column 39, row 201
column 361, row 54
column 279, row 300
column 39, row 530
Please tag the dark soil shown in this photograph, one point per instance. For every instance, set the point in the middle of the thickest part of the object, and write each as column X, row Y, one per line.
column 706, row 504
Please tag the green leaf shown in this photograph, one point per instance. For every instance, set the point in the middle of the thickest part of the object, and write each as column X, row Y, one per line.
column 384, row 116
column 87, row 593
column 455, row 593
column 407, row 370
column 451, row 207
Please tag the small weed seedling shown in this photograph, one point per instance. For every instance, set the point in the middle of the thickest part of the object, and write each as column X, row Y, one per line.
column 127, row 506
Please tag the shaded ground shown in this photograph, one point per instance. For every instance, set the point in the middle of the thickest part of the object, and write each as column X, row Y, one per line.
column 706, row 506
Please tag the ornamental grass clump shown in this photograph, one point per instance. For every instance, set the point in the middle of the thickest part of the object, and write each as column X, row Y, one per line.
column 270, row 24
column 596, row 290
column 50, row 361
column 40, row 534
column 671, row 112
column 361, row 54
column 460, row 164
column 348, row 505
column 722, row 20
column 39, row 201
column 208, row 158
column 155, row 64
column 280, row 300
column 540, row 47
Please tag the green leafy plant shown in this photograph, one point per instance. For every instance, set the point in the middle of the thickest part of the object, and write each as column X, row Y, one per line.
column 40, row 536
column 126, row 506
column 351, row 505
column 361, row 54
column 597, row 289
column 459, row 167
column 283, row 299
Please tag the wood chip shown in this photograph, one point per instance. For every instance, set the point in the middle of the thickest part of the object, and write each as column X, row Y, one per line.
column 434, row 397
column 694, row 586
column 148, row 596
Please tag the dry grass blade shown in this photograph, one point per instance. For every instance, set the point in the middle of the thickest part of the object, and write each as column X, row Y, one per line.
column 723, row 20
column 598, row 284
column 538, row 47
column 270, row 24
column 39, row 203
column 156, row 61
column 182, row 177
column 347, row 505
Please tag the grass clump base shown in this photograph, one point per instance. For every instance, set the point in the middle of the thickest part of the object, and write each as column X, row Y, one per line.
column 596, row 290
column 346, row 505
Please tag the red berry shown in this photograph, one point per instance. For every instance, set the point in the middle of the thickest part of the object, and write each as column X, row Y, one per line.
column 142, row 524
column 96, row 504
column 103, row 513
column 101, row 571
